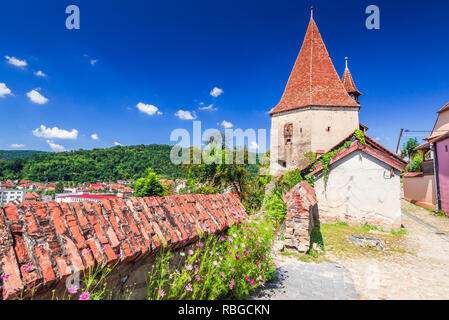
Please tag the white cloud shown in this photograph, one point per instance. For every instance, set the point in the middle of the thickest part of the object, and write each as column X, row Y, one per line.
column 149, row 109
column 40, row 74
column 216, row 92
column 117, row 143
column 377, row 139
column 209, row 108
column 36, row 97
column 253, row 145
column 4, row 90
column 226, row 124
column 94, row 136
column 93, row 61
column 18, row 145
column 55, row 147
column 185, row 115
column 55, row 133
column 16, row 62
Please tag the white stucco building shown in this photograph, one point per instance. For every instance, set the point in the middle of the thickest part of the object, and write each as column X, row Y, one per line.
column 7, row 196
column 362, row 185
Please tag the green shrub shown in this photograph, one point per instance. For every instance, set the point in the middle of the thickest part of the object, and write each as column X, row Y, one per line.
column 275, row 207
column 416, row 164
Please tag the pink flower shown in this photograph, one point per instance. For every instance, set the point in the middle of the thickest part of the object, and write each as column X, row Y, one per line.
column 251, row 282
column 237, row 257
column 200, row 244
column 190, row 252
column 233, row 270
column 257, row 244
column 236, row 248
column 85, row 296
column 246, row 278
column 189, row 267
column 212, row 230
column 73, row 289
column 222, row 238
column 263, row 258
column 161, row 293
column 198, row 278
column 189, row 287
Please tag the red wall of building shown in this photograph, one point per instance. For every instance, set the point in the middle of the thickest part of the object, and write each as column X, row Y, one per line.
column 443, row 172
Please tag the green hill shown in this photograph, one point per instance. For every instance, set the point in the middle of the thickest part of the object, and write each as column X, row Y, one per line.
column 116, row 163
column 11, row 154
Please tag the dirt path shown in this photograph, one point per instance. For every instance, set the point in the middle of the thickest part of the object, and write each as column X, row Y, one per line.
column 422, row 273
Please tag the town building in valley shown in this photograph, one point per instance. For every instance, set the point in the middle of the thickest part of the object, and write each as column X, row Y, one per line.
column 7, row 196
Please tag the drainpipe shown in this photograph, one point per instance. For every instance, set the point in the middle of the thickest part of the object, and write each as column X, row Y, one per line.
column 435, row 172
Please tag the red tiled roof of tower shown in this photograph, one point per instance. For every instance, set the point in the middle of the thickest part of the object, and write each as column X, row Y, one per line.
column 445, row 108
column 313, row 80
column 56, row 239
column 348, row 82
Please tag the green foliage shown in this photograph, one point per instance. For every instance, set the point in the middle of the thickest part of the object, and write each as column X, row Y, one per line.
column 408, row 148
column 310, row 156
column 275, row 207
column 117, row 163
column 149, row 186
column 50, row 193
column 417, row 164
column 11, row 154
column 217, row 267
column 254, row 193
column 59, row 187
column 326, row 158
column 360, row 136
column 291, row 179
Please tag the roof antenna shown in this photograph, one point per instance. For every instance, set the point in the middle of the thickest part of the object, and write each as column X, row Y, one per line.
column 311, row 12
column 346, row 58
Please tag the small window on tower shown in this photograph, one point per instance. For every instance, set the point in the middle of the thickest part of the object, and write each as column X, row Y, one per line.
column 288, row 133
column 328, row 129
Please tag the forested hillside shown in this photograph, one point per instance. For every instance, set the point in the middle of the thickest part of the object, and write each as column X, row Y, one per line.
column 117, row 163
column 11, row 154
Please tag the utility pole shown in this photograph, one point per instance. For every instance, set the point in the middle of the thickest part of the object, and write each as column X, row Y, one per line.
column 399, row 140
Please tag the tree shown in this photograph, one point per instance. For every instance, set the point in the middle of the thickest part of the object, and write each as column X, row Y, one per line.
column 149, row 186
column 408, row 149
column 59, row 187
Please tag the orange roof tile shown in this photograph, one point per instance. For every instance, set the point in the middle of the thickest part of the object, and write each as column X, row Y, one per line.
column 313, row 80
column 348, row 82
column 445, row 108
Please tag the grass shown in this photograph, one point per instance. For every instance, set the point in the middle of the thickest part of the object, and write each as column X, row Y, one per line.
column 334, row 239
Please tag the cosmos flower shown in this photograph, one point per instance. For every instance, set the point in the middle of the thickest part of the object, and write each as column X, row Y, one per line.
column 189, row 267
column 85, row 296
column 73, row 289
column 190, row 252
column 161, row 293
column 251, row 282
column 189, row 287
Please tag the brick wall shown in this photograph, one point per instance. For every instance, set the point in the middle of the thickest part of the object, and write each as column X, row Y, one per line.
column 302, row 212
column 42, row 244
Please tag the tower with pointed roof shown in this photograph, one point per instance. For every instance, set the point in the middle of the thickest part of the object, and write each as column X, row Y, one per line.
column 317, row 109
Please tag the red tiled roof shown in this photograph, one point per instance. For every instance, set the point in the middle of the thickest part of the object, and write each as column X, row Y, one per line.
column 314, row 81
column 445, row 108
column 60, row 238
column 412, row 174
column 429, row 141
column 348, row 83
column 91, row 196
column 371, row 147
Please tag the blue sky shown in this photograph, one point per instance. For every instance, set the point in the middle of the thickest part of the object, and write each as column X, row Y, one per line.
column 171, row 54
